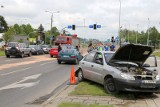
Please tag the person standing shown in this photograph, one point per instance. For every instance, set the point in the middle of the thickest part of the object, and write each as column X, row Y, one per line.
column 59, row 48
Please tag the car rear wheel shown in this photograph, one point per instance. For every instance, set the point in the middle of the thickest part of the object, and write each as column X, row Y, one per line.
column 80, row 75
column 7, row 56
column 22, row 55
column 110, row 86
column 51, row 56
column 30, row 54
column 59, row 62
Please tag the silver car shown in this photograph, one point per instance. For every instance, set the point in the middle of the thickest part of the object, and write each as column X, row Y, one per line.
column 123, row 70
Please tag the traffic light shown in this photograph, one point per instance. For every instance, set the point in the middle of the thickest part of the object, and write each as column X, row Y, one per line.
column 112, row 39
column 95, row 26
column 73, row 27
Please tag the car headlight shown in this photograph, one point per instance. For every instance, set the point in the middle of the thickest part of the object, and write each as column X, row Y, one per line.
column 127, row 76
column 157, row 77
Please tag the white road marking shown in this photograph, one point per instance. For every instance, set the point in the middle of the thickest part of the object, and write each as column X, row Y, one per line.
column 46, row 63
column 22, row 85
column 10, row 60
column 16, row 71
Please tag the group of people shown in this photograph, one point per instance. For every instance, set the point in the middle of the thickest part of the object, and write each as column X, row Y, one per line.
column 101, row 47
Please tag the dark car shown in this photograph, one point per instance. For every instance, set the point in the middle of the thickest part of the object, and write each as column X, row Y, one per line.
column 130, row 68
column 45, row 48
column 36, row 49
column 17, row 49
column 69, row 55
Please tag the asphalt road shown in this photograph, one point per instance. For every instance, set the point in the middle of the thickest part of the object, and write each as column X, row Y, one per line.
column 29, row 81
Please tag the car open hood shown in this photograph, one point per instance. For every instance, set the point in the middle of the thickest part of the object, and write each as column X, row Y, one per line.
column 132, row 53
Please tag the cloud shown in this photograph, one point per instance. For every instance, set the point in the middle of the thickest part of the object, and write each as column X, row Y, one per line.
column 80, row 12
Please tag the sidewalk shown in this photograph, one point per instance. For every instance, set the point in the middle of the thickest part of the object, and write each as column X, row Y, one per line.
column 152, row 101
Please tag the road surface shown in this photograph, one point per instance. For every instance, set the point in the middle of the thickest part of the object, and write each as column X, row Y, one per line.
column 29, row 81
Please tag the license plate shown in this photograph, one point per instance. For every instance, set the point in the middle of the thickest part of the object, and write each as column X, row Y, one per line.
column 148, row 84
column 65, row 56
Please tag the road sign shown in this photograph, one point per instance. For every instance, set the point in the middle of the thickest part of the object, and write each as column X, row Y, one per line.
column 69, row 27
column 98, row 26
column 90, row 26
column 51, row 38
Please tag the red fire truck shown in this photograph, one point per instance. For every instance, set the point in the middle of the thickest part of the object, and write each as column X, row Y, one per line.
column 63, row 39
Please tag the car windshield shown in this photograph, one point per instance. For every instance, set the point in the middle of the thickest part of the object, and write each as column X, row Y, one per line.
column 44, row 46
column 61, row 39
column 68, row 51
column 12, row 44
column 54, row 46
column 32, row 46
column 108, row 56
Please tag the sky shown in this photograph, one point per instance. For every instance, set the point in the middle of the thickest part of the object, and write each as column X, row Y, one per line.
column 135, row 15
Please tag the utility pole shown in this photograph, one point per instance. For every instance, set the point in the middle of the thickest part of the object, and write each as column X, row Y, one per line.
column 137, row 33
column 148, row 32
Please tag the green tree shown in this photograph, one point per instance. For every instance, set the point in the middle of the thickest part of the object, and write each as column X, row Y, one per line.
column 3, row 25
column 8, row 36
column 17, row 29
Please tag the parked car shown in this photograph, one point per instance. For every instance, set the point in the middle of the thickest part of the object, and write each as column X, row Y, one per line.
column 36, row 49
column 45, row 48
column 69, row 55
column 54, row 51
column 17, row 49
column 123, row 70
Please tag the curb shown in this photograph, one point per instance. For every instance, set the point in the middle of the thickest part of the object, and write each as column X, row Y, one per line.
column 54, row 96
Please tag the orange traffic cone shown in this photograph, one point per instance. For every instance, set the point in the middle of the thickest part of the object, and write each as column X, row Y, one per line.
column 72, row 77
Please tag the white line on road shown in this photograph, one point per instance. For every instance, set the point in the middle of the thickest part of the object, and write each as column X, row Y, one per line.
column 10, row 60
column 16, row 71
column 46, row 63
column 22, row 85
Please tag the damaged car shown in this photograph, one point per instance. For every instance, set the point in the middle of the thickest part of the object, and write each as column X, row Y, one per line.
column 130, row 68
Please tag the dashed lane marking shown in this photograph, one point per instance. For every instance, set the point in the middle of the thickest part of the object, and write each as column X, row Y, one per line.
column 16, row 71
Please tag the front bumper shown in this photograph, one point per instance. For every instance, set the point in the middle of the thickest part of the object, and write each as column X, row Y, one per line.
column 66, row 59
column 137, row 86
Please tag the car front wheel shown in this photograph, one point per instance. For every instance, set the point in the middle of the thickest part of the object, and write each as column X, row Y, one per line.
column 80, row 75
column 110, row 86
column 59, row 62
column 7, row 56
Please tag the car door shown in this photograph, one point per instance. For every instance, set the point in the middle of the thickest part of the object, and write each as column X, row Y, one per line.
column 151, row 63
column 97, row 67
column 86, row 65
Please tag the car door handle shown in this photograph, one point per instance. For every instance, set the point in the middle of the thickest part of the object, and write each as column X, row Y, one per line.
column 92, row 66
column 83, row 63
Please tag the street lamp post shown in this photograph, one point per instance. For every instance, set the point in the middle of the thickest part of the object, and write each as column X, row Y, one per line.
column 52, row 20
column 137, row 33
column 119, row 23
column 148, row 32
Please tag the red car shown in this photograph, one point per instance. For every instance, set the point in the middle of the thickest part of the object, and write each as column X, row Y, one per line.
column 54, row 51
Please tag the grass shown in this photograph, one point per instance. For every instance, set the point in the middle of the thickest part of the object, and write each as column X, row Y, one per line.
column 156, row 54
column 89, row 88
column 82, row 105
column 94, row 89
column 2, row 53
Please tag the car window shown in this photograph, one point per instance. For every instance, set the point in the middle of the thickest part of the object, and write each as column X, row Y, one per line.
column 151, row 61
column 98, row 57
column 68, row 51
column 108, row 56
column 12, row 44
column 89, row 57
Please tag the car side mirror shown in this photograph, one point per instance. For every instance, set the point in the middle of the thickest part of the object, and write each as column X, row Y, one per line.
column 146, row 65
